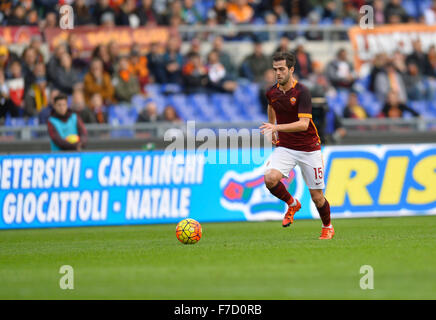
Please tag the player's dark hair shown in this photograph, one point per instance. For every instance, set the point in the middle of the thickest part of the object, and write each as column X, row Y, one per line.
column 60, row 96
column 289, row 57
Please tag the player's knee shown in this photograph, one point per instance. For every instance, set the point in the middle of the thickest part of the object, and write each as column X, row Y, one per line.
column 271, row 180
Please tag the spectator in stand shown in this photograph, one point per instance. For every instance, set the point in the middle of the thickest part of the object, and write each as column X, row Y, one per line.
column 329, row 10
column 15, row 83
column 4, row 57
column 415, row 83
column 82, row 14
column 394, row 108
column 379, row 12
column 67, row 77
column 338, row 35
column 170, row 115
column 430, row 69
column 54, row 63
column 378, row 65
column 195, row 74
column 78, row 105
column 147, row 14
column 36, row 44
column 390, row 80
column 127, row 14
column 318, row 82
column 270, row 20
column 418, row 56
column 430, row 14
column 114, row 52
column 219, row 11
column 156, row 63
column 4, row 95
column 240, row 12
column 280, row 13
column 395, row 9
column 125, row 82
column 78, row 62
column 138, row 66
column 353, row 109
column 293, row 20
column 99, row 9
column 399, row 62
column 224, row 57
column 37, row 96
column 297, row 7
column 173, row 10
column 195, row 46
column 173, row 61
column 149, row 113
column 283, row 45
column 98, row 81
column 96, row 104
column 18, row 17
column 65, row 128
column 218, row 80
column 108, row 20
column 254, row 66
column 269, row 80
column 303, row 67
column 44, row 114
column 29, row 59
column 190, row 14
column 340, row 71
column 101, row 52
column 314, row 19
column 51, row 21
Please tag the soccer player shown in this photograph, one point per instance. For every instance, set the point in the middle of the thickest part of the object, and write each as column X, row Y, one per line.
column 297, row 142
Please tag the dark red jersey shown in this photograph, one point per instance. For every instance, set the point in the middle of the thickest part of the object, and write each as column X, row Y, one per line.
column 289, row 107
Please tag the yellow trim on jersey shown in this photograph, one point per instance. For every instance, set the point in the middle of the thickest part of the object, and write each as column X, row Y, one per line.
column 295, row 83
column 304, row 115
column 316, row 131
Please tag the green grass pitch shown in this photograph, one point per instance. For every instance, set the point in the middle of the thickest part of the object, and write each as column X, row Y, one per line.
column 250, row 260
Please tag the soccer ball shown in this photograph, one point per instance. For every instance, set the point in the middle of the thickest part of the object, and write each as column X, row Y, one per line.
column 188, row 231
column 73, row 138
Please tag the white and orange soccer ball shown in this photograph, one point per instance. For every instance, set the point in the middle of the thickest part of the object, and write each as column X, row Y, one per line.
column 188, row 231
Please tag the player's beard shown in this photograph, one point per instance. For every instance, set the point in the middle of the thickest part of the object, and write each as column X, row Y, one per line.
column 285, row 80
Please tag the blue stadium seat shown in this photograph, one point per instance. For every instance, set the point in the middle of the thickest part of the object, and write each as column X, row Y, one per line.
column 411, row 8
column 153, row 89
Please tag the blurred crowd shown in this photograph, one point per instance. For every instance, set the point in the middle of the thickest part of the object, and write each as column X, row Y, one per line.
column 29, row 84
column 44, row 13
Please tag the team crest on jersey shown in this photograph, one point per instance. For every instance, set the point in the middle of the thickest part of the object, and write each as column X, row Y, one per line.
column 246, row 192
column 293, row 100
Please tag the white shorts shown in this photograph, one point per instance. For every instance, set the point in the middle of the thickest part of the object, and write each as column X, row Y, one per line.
column 310, row 163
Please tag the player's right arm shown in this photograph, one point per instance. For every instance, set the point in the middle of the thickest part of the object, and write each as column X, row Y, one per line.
column 272, row 119
column 271, row 115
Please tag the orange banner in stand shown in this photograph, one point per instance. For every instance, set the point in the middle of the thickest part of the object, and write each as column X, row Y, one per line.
column 18, row 34
column 87, row 38
column 388, row 39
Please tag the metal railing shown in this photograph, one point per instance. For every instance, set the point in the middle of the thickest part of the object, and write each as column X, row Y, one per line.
column 157, row 130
